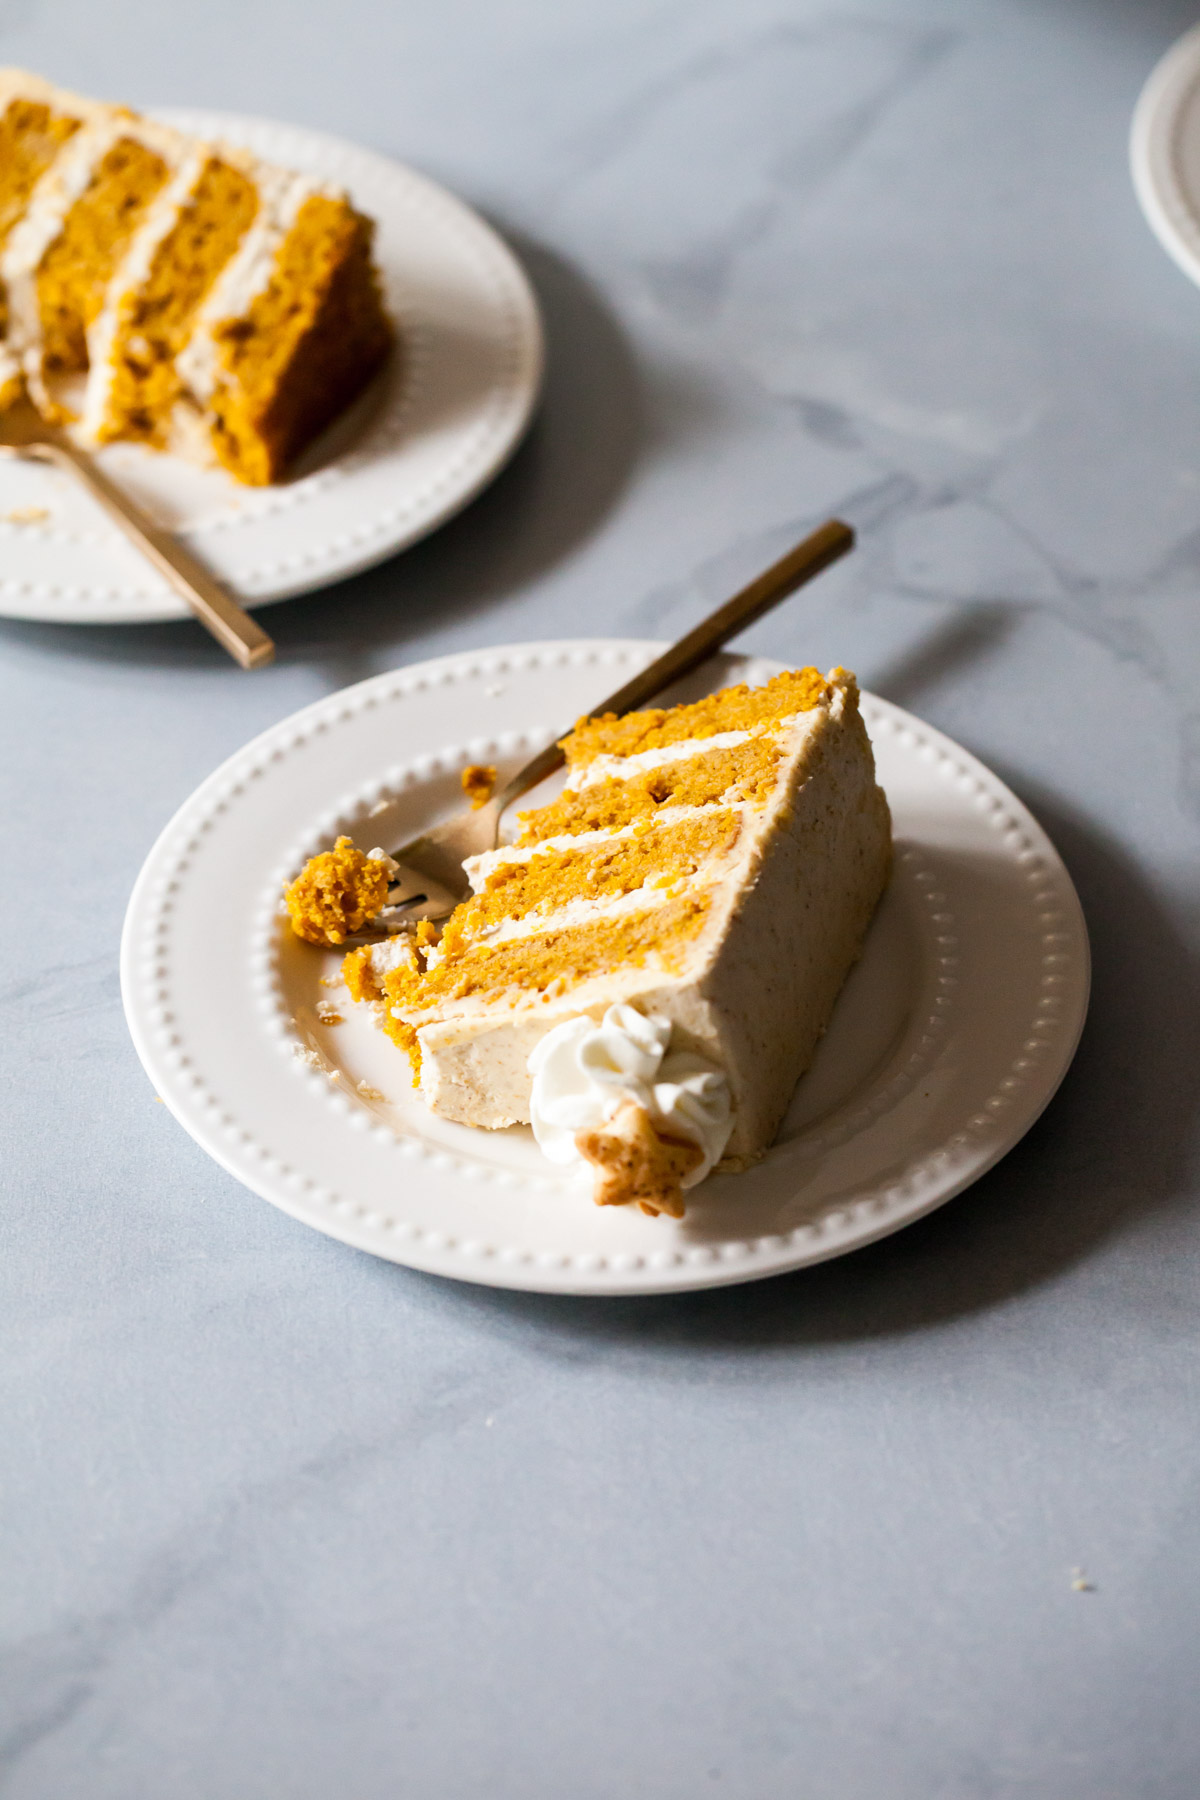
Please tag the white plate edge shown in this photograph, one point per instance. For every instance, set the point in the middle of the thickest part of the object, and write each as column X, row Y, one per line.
column 1156, row 184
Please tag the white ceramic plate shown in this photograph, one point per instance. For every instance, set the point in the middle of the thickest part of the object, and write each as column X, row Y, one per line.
column 1164, row 151
column 951, row 1035
column 435, row 427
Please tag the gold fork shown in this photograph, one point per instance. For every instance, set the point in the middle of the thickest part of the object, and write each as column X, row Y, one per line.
column 431, row 880
column 23, row 432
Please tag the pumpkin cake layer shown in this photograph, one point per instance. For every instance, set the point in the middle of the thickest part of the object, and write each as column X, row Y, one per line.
column 747, row 771
column 218, row 306
column 79, row 262
column 741, row 708
column 715, row 866
column 154, row 320
column 649, row 856
column 31, row 136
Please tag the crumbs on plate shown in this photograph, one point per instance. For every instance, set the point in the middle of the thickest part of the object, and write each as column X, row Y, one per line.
column 479, row 783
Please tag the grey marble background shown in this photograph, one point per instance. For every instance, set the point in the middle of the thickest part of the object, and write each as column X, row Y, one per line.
column 281, row 1521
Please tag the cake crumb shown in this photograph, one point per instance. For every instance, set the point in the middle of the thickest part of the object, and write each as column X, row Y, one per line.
column 336, row 893
column 334, row 981
column 328, row 1013
column 1080, row 1583
column 380, row 806
column 26, row 515
column 634, row 1163
column 479, row 783
column 159, row 1100
column 306, row 1054
column 368, row 1092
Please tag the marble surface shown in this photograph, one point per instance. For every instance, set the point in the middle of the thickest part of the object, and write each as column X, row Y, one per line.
column 280, row 1520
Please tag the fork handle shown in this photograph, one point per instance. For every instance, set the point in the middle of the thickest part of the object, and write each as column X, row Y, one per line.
column 829, row 542
column 233, row 628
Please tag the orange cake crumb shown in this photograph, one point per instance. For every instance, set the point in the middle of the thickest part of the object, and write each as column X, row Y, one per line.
column 479, row 783
column 335, row 894
column 405, row 1038
column 358, row 973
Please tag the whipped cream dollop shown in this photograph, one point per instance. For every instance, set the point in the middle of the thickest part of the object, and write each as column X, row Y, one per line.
column 583, row 1071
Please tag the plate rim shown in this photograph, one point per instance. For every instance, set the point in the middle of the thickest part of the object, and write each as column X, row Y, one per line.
column 520, row 400
column 529, row 1275
column 1152, row 152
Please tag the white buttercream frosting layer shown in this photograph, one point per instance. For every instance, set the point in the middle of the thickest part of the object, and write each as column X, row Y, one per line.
column 479, row 868
column 625, row 768
column 583, row 1072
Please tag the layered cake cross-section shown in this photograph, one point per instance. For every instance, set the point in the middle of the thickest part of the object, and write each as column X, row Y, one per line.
column 220, row 307
column 645, row 973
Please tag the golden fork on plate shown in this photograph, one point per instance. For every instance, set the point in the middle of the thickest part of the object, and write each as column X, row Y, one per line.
column 431, row 879
column 23, row 432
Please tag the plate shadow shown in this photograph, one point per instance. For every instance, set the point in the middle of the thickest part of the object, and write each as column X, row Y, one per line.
column 1111, row 1150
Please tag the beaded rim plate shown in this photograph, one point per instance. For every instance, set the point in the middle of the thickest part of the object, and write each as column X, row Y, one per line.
column 950, row 1036
column 1164, row 152
column 435, row 427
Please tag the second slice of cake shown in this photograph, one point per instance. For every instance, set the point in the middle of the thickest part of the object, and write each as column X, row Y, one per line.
column 221, row 307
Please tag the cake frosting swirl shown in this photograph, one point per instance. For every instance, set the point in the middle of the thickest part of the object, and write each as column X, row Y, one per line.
column 584, row 1071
